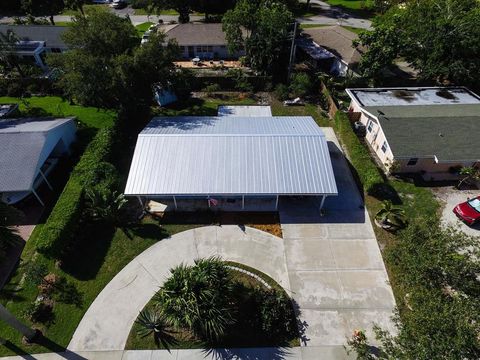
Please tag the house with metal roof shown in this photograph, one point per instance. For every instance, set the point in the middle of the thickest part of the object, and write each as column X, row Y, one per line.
column 330, row 49
column 430, row 130
column 202, row 40
column 231, row 159
column 29, row 150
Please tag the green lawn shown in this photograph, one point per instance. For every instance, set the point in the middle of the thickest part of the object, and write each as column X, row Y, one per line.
column 86, row 8
column 141, row 28
column 352, row 29
column 63, row 23
column 278, row 109
column 162, row 12
column 202, row 107
column 97, row 256
column 55, row 106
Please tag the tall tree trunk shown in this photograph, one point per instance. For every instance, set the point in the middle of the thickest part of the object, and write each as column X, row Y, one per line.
column 11, row 320
column 308, row 5
column 81, row 10
column 51, row 20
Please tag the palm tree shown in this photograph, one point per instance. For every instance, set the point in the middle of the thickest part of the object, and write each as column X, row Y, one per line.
column 198, row 298
column 11, row 320
column 470, row 174
column 153, row 322
column 105, row 205
column 390, row 217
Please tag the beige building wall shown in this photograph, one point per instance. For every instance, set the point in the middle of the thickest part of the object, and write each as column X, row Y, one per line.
column 429, row 169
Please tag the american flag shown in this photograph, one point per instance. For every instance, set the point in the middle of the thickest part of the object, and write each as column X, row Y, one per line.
column 213, row 202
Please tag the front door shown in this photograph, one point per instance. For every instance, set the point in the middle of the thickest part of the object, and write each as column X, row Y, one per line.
column 191, row 52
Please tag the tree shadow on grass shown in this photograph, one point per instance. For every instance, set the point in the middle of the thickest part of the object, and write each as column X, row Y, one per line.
column 144, row 231
column 47, row 344
column 85, row 258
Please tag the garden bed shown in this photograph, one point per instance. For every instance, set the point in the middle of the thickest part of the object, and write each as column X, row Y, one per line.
column 244, row 333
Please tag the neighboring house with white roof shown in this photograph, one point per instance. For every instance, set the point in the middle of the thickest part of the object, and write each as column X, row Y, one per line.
column 431, row 130
column 205, row 41
column 329, row 48
column 29, row 150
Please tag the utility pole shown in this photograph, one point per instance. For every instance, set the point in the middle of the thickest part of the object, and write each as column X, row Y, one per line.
column 292, row 51
column 11, row 320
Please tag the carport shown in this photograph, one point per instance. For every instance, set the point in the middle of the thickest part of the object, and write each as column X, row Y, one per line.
column 218, row 159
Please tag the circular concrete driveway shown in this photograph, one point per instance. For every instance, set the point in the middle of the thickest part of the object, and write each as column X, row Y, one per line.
column 108, row 320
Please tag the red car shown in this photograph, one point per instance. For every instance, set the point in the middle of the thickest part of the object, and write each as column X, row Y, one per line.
column 469, row 211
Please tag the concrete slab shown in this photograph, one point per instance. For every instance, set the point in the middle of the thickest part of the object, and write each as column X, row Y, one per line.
column 325, row 328
column 326, row 353
column 138, row 355
column 164, row 355
column 311, row 254
column 359, row 254
column 316, row 289
column 302, row 231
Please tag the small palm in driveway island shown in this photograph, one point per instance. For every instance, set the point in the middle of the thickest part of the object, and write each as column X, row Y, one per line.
column 390, row 217
column 153, row 322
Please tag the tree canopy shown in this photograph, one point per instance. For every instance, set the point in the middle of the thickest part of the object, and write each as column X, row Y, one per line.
column 107, row 67
column 439, row 38
column 43, row 7
column 262, row 27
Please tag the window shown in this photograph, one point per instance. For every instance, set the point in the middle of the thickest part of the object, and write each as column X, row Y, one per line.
column 210, row 48
column 412, row 161
column 199, row 48
column 370, row 126
column 384, row 147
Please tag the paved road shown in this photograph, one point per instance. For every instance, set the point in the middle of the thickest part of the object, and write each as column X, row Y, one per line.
column 329, row 16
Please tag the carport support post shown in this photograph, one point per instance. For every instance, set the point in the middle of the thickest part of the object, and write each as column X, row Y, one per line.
column 38, row 197
column 276, row 203
column 321, row 203
column 46, row 181
column 175, row 202
column 140, row 201
column 243, row 202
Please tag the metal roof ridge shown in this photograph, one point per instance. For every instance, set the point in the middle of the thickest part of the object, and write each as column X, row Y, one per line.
column 228, row 135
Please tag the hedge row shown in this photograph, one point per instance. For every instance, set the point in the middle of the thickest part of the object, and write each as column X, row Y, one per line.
column 64, row 220
column 368, row 173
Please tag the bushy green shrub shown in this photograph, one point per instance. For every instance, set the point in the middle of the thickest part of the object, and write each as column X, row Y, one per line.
column 211, row 88
column 277, row 317
column 281, row 92
column 368, row 173
column 64, row 220
column 301, row 85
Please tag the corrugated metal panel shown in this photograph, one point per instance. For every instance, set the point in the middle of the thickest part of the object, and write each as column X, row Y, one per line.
column 244, row 110
column 265, row 163
column 238, row 126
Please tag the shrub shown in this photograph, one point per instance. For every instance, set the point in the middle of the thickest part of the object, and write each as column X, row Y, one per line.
column 40, row 312
column 301, row 85
column 151, row 322
column 281, row 92
column 276, row 313
column 64, row 220
column 139, row 4
column 210, row 89
column 368, row 173
column 198, row 298
column 35, row 272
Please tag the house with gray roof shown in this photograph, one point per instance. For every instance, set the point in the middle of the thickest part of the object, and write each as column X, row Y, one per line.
column 330, row 49
column 29, row 150
column 36, row 40
column 205, row 41
column 431, row 130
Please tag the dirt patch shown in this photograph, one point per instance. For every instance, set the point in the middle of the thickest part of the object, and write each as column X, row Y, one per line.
column 264, row 221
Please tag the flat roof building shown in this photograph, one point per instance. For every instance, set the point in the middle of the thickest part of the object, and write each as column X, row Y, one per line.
column 429, row 130
column 228, row 157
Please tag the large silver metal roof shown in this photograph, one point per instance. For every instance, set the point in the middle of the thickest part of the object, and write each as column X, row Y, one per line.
column 231, row 155
column 244, row 110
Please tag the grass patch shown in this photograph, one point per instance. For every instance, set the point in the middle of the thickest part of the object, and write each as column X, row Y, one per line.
column 63, row 23
column 244, row 333
column 202, row 107
column 313, row 110
column 57, row 107
column 100, row 252
column 86, row 9
column 350, row 28
column 141, row 28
